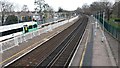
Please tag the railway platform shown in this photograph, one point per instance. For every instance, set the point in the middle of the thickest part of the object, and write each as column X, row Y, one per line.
column 92, row 49
column 11, row 55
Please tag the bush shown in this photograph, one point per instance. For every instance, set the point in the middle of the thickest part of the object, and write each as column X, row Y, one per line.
column 11, row 19
column 117, row 20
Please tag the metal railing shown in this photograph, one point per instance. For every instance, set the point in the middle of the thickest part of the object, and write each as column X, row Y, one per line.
column 115, row 32
column 8, row 44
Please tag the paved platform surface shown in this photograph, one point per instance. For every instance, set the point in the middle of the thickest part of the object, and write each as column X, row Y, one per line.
column 15, row 52
column 113, row 45
column 92, row 51
column 100, row 53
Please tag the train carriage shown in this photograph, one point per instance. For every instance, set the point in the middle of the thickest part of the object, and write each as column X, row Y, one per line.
column 9, row 31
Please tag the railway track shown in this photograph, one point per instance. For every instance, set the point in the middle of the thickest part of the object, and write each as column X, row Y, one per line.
column 60, row 45
column 63, row 53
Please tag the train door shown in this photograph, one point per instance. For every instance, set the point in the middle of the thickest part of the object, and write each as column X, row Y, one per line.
column 25, row 28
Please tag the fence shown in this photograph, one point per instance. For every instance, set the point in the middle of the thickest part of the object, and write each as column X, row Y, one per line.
column 8, row 44
column 114, row 31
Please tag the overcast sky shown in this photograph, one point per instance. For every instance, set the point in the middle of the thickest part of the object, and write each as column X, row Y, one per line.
column 65, row 4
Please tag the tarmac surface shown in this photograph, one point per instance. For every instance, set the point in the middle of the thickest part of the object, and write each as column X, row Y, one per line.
column 113, row 45
column 92, row 51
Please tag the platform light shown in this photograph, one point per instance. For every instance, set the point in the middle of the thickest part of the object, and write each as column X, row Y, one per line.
column 103, row 27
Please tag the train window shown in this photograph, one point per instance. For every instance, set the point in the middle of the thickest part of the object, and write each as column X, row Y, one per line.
column 12, row 31
column 30, row 27
column 0, row 34
column 42, row 26
column 35, row 26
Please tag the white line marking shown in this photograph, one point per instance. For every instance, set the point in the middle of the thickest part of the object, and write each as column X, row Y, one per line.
column 77, row 49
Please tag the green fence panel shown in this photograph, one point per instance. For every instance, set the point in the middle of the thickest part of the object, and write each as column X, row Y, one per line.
column 115, row 32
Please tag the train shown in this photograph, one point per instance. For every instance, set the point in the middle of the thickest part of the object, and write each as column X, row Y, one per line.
column 10, row 31
column 13, row 30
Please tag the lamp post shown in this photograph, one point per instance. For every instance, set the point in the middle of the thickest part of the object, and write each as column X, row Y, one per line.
column 103, row 27
column 17, row 18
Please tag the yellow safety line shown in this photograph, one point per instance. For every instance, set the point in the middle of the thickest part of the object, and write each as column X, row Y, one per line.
column 83, row 53
column 26, row 49
column 20, row 52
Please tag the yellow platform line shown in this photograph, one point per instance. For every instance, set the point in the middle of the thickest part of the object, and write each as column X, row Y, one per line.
column 23, row 50
column 52, row 35
column 83, row 53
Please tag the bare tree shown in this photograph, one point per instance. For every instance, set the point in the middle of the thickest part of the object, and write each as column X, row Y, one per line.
column 79, row 11
column 60, row 9
column 116, row 8
column 118, row 15
column 86, row 9
column 46, row 8
column 25, row 8
column 39, row 5
column 51, row 11
column 6, row 8
column 101, row 7
column 43, row 8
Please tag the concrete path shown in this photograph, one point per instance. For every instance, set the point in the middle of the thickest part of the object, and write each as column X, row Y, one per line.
column 100, row 53
column 113, row 45
column 92, row 51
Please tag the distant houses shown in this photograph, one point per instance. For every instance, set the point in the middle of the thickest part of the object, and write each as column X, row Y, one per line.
column 23, row 15
column 20, row 15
